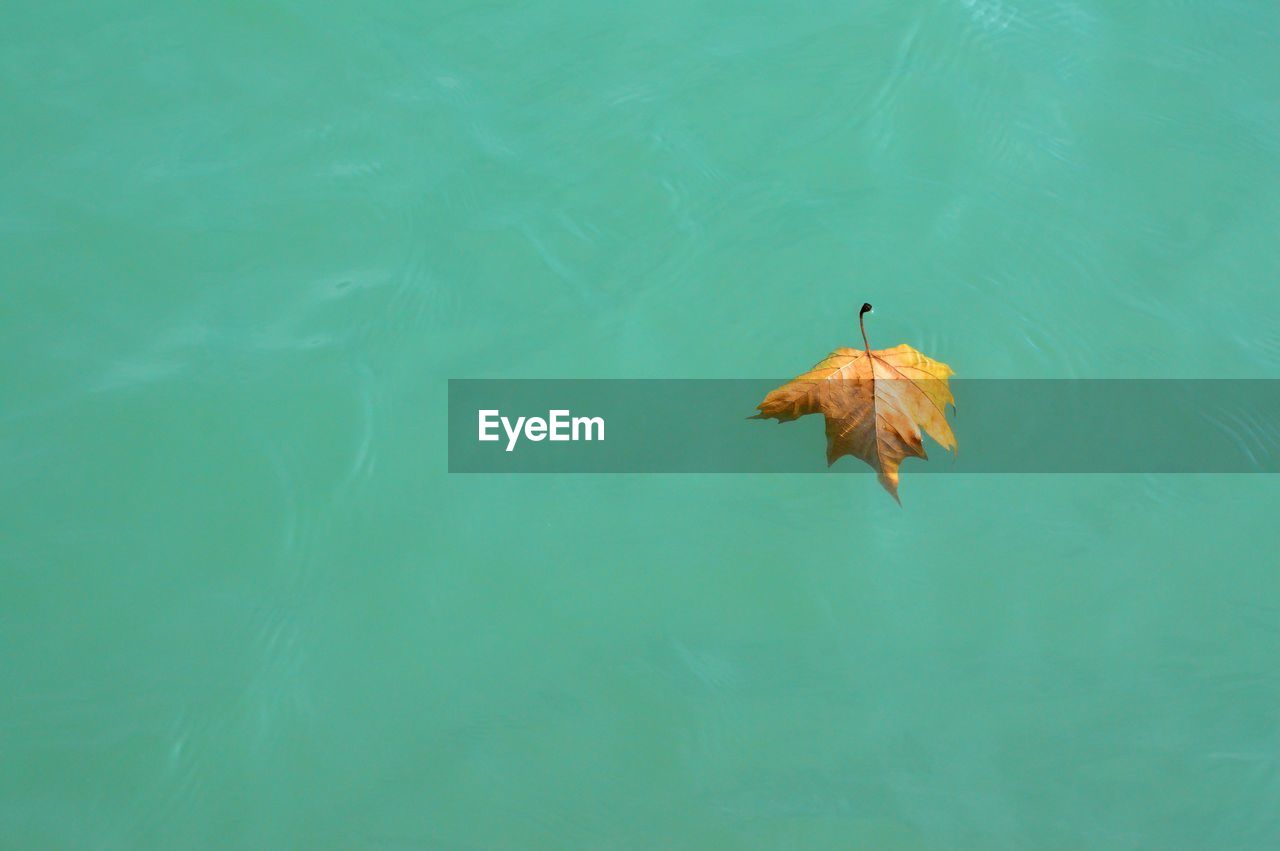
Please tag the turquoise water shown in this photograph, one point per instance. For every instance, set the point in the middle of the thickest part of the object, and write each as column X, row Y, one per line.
column 244, row 245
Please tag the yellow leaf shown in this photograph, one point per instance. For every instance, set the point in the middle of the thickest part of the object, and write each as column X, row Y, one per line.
column 874, row 402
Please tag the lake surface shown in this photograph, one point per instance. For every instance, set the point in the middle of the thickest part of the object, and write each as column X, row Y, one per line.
column 245, row 245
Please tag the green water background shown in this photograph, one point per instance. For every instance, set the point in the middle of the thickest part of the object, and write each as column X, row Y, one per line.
column 244, row 244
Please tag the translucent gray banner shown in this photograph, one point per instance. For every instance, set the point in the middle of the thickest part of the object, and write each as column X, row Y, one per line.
column 1002, row 426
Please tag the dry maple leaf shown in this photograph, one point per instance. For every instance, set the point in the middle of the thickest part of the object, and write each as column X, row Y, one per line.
column 874, row 404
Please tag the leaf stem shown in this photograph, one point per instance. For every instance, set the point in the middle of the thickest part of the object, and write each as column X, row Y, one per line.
column 866, row 308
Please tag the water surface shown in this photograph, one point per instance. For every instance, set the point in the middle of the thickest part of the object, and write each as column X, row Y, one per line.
column 244, row 245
